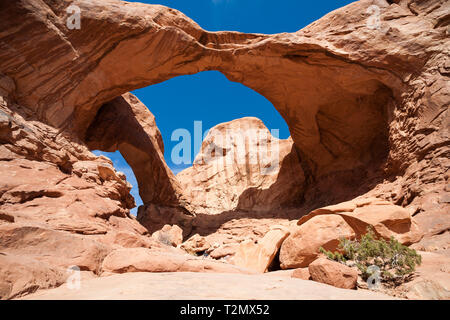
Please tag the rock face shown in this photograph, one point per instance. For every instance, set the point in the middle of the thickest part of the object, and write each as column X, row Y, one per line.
column 241, row 166
column 333, row 273
column 366, row 105
column 141, row 145
column 393, row 114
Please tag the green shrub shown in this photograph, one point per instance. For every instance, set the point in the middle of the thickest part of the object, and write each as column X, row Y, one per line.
column 395, row 261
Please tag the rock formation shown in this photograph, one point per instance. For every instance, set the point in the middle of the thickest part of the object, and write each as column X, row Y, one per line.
column 259, row 256
column 366, row 105
column 333, row 273
column 241, row 166
column 324, row 227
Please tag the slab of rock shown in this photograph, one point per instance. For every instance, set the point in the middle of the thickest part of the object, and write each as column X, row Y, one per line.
column 303, row 244
column 333, row 273
column 224, row 251
column 259, row 256
column 392, row 115
column 218, row 286
column 21, row 275
column 52, row 247
column 146, row 260
column 431, row 280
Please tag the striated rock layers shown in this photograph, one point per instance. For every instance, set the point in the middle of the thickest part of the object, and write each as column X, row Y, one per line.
column 241, row 166
column 61, row 206
column 359, row 98
column 365, row 98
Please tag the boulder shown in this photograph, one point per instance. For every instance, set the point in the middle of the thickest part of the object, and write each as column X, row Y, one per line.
column 303, row 244
column 333, row 273
column 169, row 235
column 21, row 275
column 52, row 247
column 259, row 256
column 195, row 244
column 224, row 251
column 301, row 273
column 280, row 273
column 386, row 219
column 128, row 239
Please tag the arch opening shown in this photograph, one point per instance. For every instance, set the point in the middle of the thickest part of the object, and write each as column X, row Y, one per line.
column 351, row 127
column 121, row 165
column 199, row 102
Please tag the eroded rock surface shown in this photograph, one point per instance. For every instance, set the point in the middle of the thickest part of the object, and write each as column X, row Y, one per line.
column 199, row 286
column 259, row 256
column 333, row 273
column 241, row 166
column 367, row 109
column 324, row 227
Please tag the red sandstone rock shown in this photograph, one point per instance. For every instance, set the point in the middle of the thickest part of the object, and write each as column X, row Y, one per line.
column 241, row 166
column 301, row 273
column 195, row 244
column 366, row 109
column 338, row 144
column 386, row 219
column 53, row 247
column 302, row 246
column 259, row 256
column 333, row 273
column 21, row 275
column 223, row 251
column 170, row 235
column 145, row 260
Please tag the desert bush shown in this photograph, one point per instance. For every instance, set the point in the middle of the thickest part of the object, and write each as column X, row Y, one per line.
column 395, row 262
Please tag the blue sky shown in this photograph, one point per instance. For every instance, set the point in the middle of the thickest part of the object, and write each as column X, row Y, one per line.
column 209, row 96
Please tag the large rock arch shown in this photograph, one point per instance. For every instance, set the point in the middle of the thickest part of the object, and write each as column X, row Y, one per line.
column 350, row 93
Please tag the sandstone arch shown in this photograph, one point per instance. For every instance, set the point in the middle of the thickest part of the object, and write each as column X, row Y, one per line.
column 299, row 73
column 323, row 79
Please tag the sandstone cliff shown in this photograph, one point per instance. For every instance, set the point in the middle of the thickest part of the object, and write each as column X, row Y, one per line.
column 366, row 105
column 241, row 166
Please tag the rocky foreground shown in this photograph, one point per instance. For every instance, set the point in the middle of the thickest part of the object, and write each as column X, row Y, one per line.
column 202, row 286
column 367, row 108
